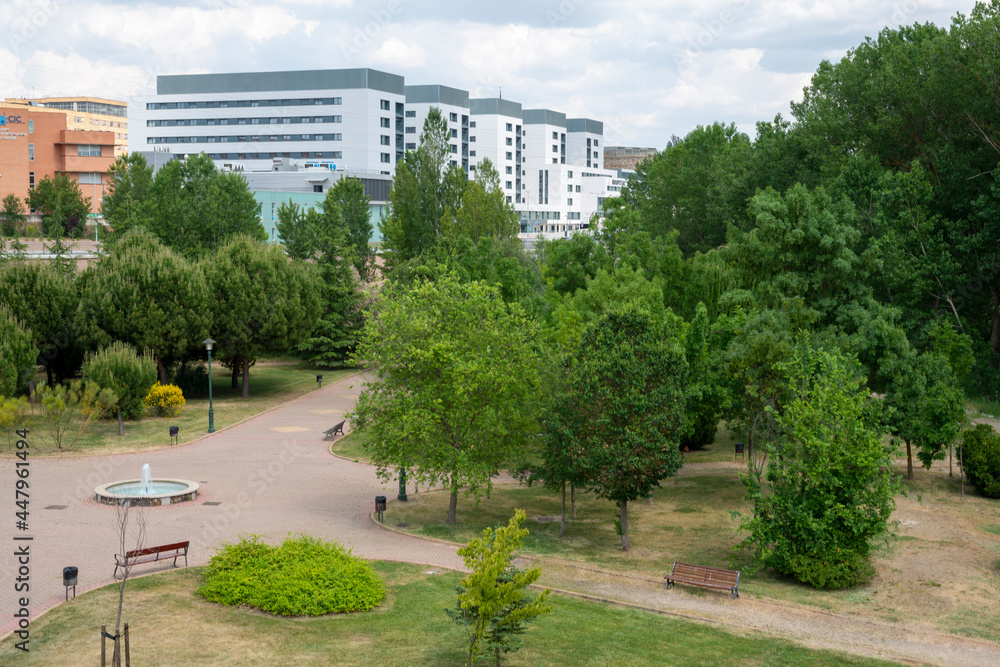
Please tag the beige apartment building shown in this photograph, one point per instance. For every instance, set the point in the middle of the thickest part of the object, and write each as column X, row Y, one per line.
column 89, row 114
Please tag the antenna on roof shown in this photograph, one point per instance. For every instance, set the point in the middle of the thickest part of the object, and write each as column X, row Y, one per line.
column 501, row 92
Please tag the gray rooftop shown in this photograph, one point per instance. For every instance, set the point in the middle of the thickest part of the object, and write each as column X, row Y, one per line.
column 584, row 125
column 543, row 117
column 256, row 82
column 495, row 106
column 437, row 94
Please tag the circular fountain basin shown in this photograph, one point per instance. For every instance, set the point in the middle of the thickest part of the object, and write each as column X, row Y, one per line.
column 155, row 492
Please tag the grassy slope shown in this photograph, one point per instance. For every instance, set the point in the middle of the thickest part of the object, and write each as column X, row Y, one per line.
column 170, row 625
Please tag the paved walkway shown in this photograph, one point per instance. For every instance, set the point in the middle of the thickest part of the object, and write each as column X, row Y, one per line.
column 273, row 475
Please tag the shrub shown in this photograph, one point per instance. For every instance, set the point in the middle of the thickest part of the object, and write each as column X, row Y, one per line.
column 164, row 400
column 981, row 459
column 304, row 576
column 834, row 570
column 192, row 379
column 119, row 368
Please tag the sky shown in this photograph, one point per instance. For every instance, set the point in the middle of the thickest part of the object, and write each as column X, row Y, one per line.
column 649, row 69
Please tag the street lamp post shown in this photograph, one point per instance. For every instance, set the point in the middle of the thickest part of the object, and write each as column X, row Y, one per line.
column 402, row 484
column 208, row 343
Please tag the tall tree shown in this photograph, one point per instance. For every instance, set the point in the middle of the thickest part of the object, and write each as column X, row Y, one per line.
column 148, row 296
column 348, row 194
column 624, row 413
column 61, row 204
column 484, row 210
column 12, row 215
column 46, row 300
column 196, row 208
column 17, row 353
column 828, row 490
column 127, row 202
column 297, row 229
column 454, row 372
column 261, row 301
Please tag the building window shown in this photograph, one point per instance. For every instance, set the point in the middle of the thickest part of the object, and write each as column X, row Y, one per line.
column 454, row 148
column 509, row 185
column 385, row 105
column 318, row 188
column 337, row 119
column 31, row 127
column 595, row 155
column 578, row 188
column 555, row 148
column 510, row 142
column 569, row 188
column 472, row 153
column 555, row 135
column 555, row 161
column 411, row 147
column 385, row 157
column 31, row 152
column 569, row 201
column 411, row 114
column 385, row 122
column 596, row 142
column 510, row 156
column 472, row 139
column 454, row 134
column 31, row 180
column 336, row 137
column 385, row 140
column 510, row 170
column 472, row 124
column 336, row 155
column 510, row 127
column 336, row 100
column 569, row 174
column 411, row 130
column 453, row 117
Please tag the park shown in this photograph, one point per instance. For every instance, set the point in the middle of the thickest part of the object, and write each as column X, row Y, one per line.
column 748, row 417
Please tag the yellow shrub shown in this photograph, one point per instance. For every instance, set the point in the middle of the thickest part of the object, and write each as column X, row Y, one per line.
column 165, row 400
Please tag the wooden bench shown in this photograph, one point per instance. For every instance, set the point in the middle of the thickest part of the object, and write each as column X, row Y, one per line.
column 707, row 577
column 331, row 433
column 151, row 555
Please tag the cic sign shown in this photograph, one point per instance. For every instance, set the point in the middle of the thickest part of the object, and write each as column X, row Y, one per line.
column 12, row 119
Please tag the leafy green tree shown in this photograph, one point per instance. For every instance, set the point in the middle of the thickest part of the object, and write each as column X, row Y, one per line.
column 425, row 191
column 348, row 194
column 828, row 490
column 455, row 371
column 981, row 459
column 127, row 202
column 12, row 215
column 492, row 603
column 624, row 412
column 926, row 405
column 46, row 300
column 148, row 296
column 484, row 210
column 567, row 264
column 195, row 208
column 334, row 338
column 17, row 353
column 61, row 204
column 706, row 396
column 119, row 369
column 261, row 301
column 697, row 187
column 297, row 229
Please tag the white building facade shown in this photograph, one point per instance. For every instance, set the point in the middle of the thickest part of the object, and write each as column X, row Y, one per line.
column 350, row 119
column 362, row 121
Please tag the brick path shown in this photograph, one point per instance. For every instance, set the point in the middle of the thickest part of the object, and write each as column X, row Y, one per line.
column 273, row 475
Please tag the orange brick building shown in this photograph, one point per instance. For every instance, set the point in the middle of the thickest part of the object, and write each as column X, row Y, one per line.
column 35, row 143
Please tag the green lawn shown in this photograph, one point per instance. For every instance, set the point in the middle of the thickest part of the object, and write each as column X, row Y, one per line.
column 169, row 625
column 271, row 385
column 351, row 446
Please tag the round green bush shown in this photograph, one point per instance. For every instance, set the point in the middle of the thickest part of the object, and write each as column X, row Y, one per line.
column 981, row 459
column 841, row 568
column 304, row 576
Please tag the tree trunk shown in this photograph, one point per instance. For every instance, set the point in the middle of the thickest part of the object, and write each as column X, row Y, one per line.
column 161, row 370
column 453, row 501
column 909, row 461
column 572, row 499
column 121, row 425
column 499, row 659
column 48, row 373
column 623, row 518
column 31, row 391
column 246, row 377
column 562, row 519
column 236, row 375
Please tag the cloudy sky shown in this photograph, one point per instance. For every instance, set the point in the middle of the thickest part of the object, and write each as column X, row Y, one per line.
column 648, row 68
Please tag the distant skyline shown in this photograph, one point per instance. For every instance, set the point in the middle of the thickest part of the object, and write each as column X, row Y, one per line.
column 648, row 69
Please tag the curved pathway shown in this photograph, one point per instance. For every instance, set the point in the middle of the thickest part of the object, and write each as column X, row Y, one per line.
column 273, row 475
